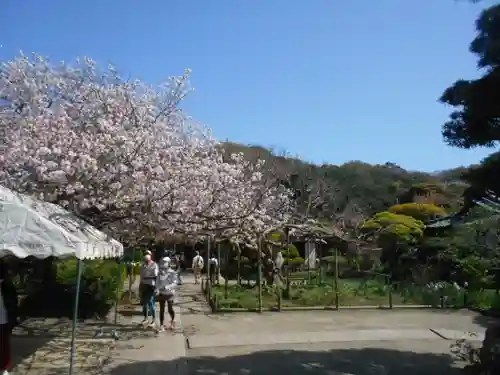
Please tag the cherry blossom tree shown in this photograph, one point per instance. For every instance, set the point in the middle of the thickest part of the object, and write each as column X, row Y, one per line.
column 241, row 197
column 122, row 154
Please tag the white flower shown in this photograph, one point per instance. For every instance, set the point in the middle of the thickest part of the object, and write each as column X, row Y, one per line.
column 108, row 143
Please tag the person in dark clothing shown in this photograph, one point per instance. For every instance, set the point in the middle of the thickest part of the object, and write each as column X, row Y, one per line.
column 182, row 262
column 9, row 313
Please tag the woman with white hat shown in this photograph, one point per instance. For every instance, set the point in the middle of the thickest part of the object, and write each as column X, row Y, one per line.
column 166, row 284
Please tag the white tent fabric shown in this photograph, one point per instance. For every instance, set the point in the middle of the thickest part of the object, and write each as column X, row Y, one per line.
column 30, row 227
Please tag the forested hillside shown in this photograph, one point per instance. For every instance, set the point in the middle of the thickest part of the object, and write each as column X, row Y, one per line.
column 364, row 187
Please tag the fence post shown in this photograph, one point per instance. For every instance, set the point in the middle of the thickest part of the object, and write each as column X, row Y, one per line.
column 209, row 280
column 215, row 304
column 466, row 295
column 226, row 272
column 389, row 279
column 259, row 270
column 336, row 279
column 226, row 287
column 218, row 263
column 238, row 276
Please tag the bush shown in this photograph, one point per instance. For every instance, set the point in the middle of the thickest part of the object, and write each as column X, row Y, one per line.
column 294, row 263
column 248, row 269
column 134, row 254
column 98, row 288
column 291, row 252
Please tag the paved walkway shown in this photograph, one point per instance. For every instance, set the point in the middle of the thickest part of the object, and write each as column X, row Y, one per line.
column 408, row 357
column 190, row 297
column 143, row 354
column 238, row 341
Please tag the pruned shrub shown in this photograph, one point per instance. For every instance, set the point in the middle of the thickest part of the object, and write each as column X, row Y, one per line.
column 98, row 289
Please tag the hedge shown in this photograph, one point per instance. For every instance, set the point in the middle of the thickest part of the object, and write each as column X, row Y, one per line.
column 98, row 288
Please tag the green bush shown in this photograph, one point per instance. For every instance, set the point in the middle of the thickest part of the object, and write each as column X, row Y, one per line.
column 291, row 252
column 330, row 259
column 136, row 269
column 297, row 261
column 134, row 254
column 98, row 288
column 248, row 269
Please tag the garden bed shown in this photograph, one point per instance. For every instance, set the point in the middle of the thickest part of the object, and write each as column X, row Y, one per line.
column 351, row 293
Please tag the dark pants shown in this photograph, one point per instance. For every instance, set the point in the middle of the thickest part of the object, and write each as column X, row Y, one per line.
column 5, row 349
column 169, row 301
column 147, row 293
column 214, row 273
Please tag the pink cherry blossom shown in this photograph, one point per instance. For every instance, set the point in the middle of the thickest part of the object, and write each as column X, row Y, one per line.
column 124, row 156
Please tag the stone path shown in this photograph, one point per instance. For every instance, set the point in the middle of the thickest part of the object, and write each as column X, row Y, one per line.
column 53, row 357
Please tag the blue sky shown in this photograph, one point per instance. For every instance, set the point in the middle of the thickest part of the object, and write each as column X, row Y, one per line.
column 328, row 80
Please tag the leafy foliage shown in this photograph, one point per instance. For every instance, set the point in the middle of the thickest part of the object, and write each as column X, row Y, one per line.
column 357, row 188
column 399, row 227
column 100, row 283
column 419, row 211
column 485, row 175
column 475, row 120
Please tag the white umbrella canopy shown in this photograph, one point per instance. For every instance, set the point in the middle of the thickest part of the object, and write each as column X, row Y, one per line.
column 30, row 227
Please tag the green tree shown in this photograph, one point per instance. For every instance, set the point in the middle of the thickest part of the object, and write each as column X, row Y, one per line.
column 475, row 120
column 419, row 211
column 389, row 225
column 485, row 175
column 397, row 235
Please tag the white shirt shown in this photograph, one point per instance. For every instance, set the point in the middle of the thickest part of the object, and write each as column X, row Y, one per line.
column 214, row 261
column 198, row 261
column 3, row 311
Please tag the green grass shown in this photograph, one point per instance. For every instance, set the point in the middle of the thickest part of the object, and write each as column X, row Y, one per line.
column 351, row 293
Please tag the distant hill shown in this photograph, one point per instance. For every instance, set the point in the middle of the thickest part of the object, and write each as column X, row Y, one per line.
column 369, row 188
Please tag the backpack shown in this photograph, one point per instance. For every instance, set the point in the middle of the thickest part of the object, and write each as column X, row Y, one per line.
column 199, row 262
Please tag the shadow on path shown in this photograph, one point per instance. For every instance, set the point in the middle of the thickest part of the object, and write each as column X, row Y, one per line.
column 486, row 321
column 25, row 347
column 367, row 361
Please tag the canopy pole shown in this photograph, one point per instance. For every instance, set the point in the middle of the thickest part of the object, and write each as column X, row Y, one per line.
column 119, row 288
column 79, row 269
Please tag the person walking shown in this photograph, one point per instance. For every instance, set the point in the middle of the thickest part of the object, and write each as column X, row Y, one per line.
column 178, row 268
column 148, row 275
column 9, row 313
column 197, row 267
column 166, row 283
column 182, row 262
column 213, row 265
